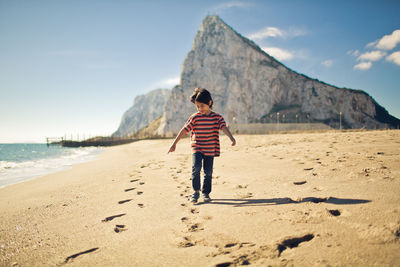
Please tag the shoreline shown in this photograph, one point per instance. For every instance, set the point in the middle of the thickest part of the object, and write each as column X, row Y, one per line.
column 333, row 195
column 35, row 168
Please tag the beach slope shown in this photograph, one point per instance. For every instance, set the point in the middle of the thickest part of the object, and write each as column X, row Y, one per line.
column 292, row 199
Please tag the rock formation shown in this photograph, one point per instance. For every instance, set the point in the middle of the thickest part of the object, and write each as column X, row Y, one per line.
column 146, row 108
column 248, row 86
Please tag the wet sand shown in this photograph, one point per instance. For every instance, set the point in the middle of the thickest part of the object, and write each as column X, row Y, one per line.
column 292, row 199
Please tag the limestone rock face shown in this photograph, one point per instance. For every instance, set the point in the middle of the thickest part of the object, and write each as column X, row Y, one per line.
column 146, row 108
column 248, row 85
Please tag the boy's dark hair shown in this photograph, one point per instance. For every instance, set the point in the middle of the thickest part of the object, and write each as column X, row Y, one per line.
column 201, row 95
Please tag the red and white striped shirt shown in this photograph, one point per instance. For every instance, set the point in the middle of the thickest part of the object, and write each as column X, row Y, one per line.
column 205, row 132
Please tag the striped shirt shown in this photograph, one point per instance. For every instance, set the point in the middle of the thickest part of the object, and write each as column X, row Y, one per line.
column 205, row 132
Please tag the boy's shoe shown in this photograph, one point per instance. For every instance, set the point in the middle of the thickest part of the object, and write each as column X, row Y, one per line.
column 195, row 197
column 206, row 198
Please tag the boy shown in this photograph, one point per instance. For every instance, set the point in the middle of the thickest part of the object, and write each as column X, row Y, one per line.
column 205, row 126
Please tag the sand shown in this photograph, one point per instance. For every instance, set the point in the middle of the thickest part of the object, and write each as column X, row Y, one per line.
column 323, row 199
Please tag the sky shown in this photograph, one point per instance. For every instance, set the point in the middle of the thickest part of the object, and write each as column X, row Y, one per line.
column 72, row 68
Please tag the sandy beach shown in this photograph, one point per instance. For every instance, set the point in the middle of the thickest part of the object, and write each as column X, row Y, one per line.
column 304, row 199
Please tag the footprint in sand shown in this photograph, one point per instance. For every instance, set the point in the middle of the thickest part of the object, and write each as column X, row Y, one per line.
column 300, row 182
column 139, row 192
column 134, row 180
column 110, row 218
column 124, row 201
column 69, row 258
column 335, row 212
column 195, row 227
column 293, row 242
column 194, row 211
column 142, row 183
column 130, row 189
column 186, row 243
column 225, row 264
column 119, row 228
column 140, row 205
column 229, row 248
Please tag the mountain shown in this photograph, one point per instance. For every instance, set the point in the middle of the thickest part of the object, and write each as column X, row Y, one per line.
column 248, row 85
column 146, row 108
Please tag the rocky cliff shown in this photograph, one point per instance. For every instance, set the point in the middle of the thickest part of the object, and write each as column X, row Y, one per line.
column 248, row 86
column 146, row 108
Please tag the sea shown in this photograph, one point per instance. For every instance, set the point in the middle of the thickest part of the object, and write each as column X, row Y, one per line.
column 22, row 162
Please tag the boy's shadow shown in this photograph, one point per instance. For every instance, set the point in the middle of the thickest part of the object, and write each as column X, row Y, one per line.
column 286, row 200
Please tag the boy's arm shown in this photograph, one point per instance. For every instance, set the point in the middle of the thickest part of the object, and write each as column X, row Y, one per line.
column 181, row 134
column 228, row 133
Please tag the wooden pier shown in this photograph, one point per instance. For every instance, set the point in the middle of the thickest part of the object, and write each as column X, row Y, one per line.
column 54, row 140
column 95, row 141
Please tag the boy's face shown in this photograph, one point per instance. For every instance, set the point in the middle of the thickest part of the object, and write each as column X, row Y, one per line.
column 203, row 108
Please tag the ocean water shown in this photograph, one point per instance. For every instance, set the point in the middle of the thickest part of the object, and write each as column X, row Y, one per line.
column 21, row 162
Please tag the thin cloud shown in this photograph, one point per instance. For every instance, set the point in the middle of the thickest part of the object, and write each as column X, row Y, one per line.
column 363, row 66
column 372, row 44
column 354, row 53
column 229, row 5
column 388, row 42
column 279, row 53
column 273, row 32
column 168, row 83
column 265, row 33
column 295, row 31
column 327, row 63
column 372, row 56
column 394, row 57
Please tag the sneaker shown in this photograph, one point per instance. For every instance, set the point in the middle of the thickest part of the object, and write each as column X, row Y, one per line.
column 195, row 197
column 206, row 198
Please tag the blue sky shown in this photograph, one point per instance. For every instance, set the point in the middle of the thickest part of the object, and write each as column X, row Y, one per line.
column 74, row 67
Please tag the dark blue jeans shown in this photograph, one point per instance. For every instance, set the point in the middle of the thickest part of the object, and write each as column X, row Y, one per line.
column 207, row 161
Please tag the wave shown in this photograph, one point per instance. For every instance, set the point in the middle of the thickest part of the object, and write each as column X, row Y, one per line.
column 12, row 172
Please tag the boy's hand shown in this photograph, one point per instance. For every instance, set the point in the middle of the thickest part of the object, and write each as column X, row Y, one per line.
column 228, row 133
column 233, row 141
column 172, row 148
